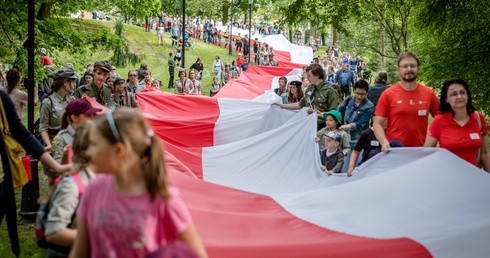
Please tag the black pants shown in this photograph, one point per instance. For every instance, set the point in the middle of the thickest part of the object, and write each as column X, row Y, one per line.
column 245, row 50
column 171, row 71
column 344, row 91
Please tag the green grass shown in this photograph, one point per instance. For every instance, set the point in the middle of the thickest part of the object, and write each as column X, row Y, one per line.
column 143, row 43
column 28, row 247
column 146, row 44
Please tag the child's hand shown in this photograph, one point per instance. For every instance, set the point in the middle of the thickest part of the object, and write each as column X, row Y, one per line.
column 323, row 168
column 317, row 139
column 330, row 172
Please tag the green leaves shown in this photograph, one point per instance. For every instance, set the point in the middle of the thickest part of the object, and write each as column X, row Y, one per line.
column 456, row 44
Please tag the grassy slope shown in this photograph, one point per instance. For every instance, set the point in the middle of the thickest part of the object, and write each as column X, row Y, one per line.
column 155, row 56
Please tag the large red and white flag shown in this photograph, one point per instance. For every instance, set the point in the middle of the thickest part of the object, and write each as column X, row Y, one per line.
column 250, row 174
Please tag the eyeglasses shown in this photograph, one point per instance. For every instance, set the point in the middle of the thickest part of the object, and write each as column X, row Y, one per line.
column 360, row 94
column 132, row 75
column 456, row 94
column 112, row 125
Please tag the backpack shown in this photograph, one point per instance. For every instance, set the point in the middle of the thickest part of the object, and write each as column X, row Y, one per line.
column 42, row 217
column 44, row 89
column 35, row 131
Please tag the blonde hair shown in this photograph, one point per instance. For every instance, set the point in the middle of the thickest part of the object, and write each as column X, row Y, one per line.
column 128, row 126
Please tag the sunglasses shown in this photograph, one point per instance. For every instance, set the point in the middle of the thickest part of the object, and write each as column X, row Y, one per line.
column 132, row 75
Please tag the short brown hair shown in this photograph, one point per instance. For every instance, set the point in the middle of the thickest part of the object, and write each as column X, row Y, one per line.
column 316, row 70
column 406, row 54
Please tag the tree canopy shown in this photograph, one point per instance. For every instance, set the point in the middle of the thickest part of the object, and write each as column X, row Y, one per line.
column 451, row 37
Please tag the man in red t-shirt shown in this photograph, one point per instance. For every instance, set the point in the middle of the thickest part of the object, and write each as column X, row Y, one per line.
column 240, row 60
column 405, row 106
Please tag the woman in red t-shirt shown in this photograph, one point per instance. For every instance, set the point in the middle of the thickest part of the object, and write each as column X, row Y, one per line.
column 459, row 128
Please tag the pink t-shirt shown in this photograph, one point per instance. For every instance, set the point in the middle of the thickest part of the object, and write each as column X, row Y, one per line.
column 129, row 226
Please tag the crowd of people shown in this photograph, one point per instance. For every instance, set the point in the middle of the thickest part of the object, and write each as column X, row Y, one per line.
column 71, row 157
column 356, row 121
column 378, row 117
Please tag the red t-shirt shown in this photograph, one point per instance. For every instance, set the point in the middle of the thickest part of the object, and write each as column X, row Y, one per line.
column 46, row 60
column 407, row 113
column 239, row 61
column 464, row 141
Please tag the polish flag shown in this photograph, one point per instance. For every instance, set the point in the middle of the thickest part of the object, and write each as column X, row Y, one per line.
column 256, row 81
column 250, row 174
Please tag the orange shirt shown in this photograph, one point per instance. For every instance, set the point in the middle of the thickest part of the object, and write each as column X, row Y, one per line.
column 407, row 113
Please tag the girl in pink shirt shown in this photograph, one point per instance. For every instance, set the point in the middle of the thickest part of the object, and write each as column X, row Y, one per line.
column 130, row 210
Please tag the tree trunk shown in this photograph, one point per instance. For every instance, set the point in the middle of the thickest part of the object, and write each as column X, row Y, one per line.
column 44, row 11
column 225, row 11
column 335, row 37
column 383, row 47
column 323, row 38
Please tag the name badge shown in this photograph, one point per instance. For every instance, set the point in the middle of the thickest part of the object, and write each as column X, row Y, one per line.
column 422, row 112
column 374, row 143
column 474, row 136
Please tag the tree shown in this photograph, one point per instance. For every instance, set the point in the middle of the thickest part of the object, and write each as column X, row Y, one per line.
column 53, row 31
column 320, row 14
column 122, row 53
column 453, row 41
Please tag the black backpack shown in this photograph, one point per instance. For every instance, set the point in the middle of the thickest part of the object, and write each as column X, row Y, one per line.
column 36, row 132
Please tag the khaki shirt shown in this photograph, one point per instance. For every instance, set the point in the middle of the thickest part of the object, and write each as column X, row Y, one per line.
column 178, row 86
column 61, row 140
column 64, row 202
column 135, row 88
column 102, row 95
column 126, row 99
column 52, row 110
column 325, row 99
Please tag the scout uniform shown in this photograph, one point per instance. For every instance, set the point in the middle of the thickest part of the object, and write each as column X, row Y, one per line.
column 321, row 97
column 126, row 99
column 61, row 140
column 134, row 88
column 52, row 110
column 178, row 86
column 103, row 94
column 171, row 70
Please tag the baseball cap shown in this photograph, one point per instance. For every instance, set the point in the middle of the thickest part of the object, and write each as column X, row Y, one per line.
column 336, row 114
column 334, row 136
column 104, row 65
column 80, row 106
column 65, row 72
